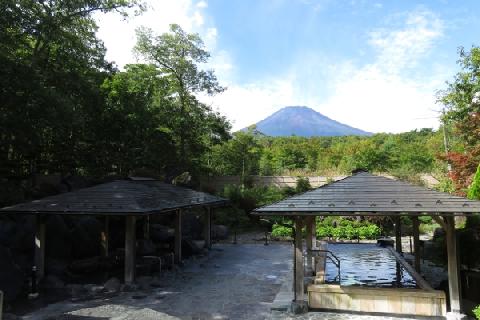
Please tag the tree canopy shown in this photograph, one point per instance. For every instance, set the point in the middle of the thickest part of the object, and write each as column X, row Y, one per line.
column 66, row 109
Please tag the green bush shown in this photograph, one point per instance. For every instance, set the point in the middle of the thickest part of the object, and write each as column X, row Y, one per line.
column 281, row 231
column 342, row 228
column 303, row 185
column 476, row 312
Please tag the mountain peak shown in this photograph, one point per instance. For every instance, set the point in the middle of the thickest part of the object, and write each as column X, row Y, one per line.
column 305, row 122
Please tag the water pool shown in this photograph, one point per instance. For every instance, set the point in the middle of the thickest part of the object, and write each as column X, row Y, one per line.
column 367, row 265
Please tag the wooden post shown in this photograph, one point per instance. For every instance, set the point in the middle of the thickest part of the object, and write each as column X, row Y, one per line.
column 416, row 242
column 398, row 234
column 146, row 228
column 105, row 236
column 40, row 246
column 299, row 273
column 178, row 236
column 207, row 233
column 453, row 281
column 130, row 242
column 309, row 241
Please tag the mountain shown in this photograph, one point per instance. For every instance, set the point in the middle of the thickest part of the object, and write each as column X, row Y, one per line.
column 304, row 122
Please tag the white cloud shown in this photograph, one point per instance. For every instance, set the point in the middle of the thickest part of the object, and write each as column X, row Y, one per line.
column 202, row 4
column 386, row 95
column 119, row 37
column 382, row 96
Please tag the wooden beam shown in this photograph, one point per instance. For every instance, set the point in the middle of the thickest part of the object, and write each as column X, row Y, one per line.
column 453, row 279
column 299, row 272
column 178, row 236
column 104, row 236
column 40, row 233
column 418, row 278
column 146, row 228
column 207, row 231
column 309, row 241
column 398, row 234
column 130, row 252
column 416, row 242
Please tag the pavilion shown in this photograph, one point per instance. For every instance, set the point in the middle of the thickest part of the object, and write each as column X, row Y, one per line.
column 132, row 199
column 364, row 194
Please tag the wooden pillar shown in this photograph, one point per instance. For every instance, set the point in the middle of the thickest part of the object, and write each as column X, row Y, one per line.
column 40, row 232
column 453, row 270
column 146, row 228
column 207, row 232
column 310, row 234
column 416, row 242
column 398, row 234
column 299, row 272
column 105, row 236
column 178, row 236
column 130, row 254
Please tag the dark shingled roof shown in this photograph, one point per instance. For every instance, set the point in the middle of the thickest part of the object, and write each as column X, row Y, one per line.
column 120, row 197
column 367, row 194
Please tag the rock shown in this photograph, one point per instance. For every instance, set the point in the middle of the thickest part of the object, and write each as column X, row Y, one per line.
column 128, row 287
column 161, row 233
column 144, row 282
column 189, row 248
column 11, row 276
column 192, row 226
column 90, row 265
column 95, row 289
column 52, row 282
column 7, row 232
column 10, row 316
column 77, row 290
column 145, row 247
column 112, row 285
column 56, row 267
column 86, row 237
column 220, row 232
column 58, row 238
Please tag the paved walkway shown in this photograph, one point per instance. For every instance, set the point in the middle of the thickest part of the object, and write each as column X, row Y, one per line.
column 233, row 282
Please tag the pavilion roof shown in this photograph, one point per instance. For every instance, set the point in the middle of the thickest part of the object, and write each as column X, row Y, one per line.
column 367, row 194
column 121, row 197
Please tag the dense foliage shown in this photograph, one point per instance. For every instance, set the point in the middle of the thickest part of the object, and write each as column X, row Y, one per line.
column 337, row 228
column 462, row 100
column 65, row 109
column 250, row 153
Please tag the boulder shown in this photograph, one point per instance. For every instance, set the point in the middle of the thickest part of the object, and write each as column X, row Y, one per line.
column 192, row 226
column 52, row 282
column 8, row 229
column 86, row 237
column 12, row 278
column 145, row 247
column 161, row 233
column 112, row 285
column 58, row 237
column 220, row 232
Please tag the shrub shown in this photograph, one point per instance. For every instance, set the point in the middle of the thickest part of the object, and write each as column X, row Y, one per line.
column 303, row 185
column 476, row 312
column 281, row 231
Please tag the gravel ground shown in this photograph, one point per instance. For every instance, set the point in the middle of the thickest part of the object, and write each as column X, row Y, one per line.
column 232, row 282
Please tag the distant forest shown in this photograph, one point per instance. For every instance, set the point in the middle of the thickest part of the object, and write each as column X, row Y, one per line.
column 250, row 153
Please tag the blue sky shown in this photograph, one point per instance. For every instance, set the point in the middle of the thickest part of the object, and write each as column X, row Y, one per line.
column 375, row 65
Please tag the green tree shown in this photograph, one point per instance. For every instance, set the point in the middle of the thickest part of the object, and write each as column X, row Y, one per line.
column 51, row 67
column 462, row 100
column 177, row 55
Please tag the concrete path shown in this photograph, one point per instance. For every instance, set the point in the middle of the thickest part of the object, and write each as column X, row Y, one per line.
column 232, row 282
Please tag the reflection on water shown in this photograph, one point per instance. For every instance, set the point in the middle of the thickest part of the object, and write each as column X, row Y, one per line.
column 368, row 265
